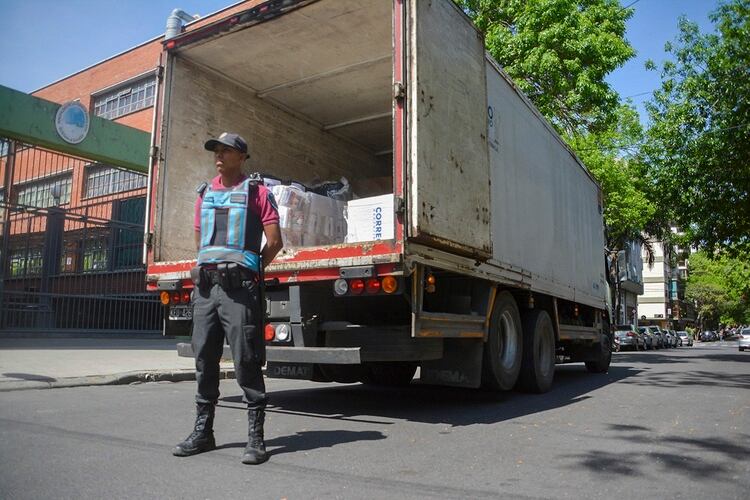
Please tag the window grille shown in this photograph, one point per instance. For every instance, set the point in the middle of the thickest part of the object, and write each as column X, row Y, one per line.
column 102, row 180
column 95, row 255
column 25, row 262
column 126, row 99
column 40, row 193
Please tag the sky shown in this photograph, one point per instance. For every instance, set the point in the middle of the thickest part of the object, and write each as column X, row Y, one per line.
column 42, row 41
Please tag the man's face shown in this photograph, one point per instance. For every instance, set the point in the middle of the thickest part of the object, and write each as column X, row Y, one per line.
column 228, row 160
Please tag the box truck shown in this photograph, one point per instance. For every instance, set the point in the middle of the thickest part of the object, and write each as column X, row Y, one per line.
column 488, row 267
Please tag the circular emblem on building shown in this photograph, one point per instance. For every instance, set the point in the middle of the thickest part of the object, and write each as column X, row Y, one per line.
column 72, row 122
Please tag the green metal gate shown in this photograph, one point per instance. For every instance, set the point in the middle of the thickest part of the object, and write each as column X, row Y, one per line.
column 72, row 224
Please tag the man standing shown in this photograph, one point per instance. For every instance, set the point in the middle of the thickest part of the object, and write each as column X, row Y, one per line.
column 231, row 216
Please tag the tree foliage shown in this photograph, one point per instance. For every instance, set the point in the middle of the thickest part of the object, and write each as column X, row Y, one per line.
column 720, row 287
column 613, row 157
column 558, row 52
column 699, row 140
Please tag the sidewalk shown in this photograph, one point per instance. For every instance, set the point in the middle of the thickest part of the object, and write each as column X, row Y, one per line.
column 47, row 363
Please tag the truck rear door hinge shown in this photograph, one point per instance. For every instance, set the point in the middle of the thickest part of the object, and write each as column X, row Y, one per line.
column 400, row 205
column 399, row 90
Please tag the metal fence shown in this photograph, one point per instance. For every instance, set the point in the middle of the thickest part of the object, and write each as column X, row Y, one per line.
column 72, row 244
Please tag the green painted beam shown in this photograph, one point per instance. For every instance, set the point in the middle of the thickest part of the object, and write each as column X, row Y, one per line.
column 32, row 120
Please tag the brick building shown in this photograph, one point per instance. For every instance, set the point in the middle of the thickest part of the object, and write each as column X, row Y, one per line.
column 97, row 209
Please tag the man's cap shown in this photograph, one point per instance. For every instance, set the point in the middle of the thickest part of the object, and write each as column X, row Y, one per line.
column 228, row 139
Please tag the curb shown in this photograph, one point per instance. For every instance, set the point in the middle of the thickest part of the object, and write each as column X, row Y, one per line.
column 125, row 378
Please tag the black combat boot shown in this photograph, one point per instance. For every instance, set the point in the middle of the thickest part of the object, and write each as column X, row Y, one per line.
column 202, row 437
column 255, row 451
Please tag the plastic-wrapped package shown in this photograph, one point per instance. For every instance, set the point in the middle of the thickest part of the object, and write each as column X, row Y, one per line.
column 309, row 219
column 338, row 190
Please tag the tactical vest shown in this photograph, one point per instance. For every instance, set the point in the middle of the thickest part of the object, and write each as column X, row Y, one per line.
column 229, row 231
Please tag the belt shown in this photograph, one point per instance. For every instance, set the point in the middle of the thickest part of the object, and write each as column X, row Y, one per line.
column 214, row 278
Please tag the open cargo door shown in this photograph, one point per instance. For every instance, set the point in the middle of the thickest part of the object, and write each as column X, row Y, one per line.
column 448, row 173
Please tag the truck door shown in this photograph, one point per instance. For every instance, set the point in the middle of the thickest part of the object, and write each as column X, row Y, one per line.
column 448, row 172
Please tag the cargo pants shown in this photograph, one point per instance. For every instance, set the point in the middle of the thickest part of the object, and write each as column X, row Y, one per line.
column 234, row 314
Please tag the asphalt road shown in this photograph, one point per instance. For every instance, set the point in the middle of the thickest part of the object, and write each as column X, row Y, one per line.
column 663, row 424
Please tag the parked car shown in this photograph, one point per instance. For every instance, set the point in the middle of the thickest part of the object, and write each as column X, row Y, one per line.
column 709, row 336
column 744, row 339
column 685, row 338
column 674, row 340
column 656, row 332
column 648, row 337
column 629, row 339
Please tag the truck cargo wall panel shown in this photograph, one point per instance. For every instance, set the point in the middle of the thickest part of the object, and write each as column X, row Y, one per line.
column 546, row 207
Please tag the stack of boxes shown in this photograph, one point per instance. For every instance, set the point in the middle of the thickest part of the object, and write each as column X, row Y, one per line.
column 309, row 219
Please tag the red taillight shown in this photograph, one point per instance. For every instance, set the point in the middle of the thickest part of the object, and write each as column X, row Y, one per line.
column 185, row 297
column 175, row 298
column 269, row 332
column 373, row 285
column 357, row 286
column 631, row 334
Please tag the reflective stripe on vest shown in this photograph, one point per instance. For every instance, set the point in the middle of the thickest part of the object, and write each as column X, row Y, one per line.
column 224, row 236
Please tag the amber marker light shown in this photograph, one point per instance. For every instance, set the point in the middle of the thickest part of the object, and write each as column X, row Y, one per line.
column 164, row 297
column 390, row 284
column 430, row 287
column 270, row 332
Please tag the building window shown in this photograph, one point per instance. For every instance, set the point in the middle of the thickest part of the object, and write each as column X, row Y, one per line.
column 128, row 233
column 25, row 262
column 126, row 98
column 46, row 192
column 102, row 180
column 95, row 255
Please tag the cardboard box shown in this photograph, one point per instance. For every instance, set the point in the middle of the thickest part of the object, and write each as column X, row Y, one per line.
column 370, row 219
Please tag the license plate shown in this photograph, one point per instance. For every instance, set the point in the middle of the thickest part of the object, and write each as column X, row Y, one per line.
column 180, row 313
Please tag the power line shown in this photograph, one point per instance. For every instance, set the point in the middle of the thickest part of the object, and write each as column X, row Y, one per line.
column 630, row 5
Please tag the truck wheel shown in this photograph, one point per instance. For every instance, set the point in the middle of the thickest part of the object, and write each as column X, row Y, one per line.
column 538, row 364
column 501, row 359
column 604, row 357
column 390, row 374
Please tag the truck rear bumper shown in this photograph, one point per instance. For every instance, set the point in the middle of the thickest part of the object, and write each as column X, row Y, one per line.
column 326, row 355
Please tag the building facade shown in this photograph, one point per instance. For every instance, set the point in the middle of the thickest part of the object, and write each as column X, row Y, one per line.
column 630, row 276
column 663, row 301
column 73, row 228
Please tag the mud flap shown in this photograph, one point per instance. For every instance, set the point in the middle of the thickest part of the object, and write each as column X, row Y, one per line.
column 461, row 365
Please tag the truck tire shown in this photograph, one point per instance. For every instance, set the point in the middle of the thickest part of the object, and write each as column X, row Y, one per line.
column 396, row 374
column 604, row 357
column 501, row 358
column 538, row 363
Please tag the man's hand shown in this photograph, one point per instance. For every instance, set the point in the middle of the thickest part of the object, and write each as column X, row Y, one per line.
column 197, row 240
column 274, row 244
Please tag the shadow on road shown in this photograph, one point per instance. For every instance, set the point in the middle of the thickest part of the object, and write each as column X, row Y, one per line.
column 710, row 458
column 311, row 440
column 430, row 404
column 695, row 378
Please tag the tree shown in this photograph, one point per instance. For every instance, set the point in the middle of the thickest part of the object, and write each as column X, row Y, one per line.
column 558, row 52
column 720, row 287
column 699, row 140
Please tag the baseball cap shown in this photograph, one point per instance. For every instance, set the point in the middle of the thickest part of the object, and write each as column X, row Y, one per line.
column 228, row 139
